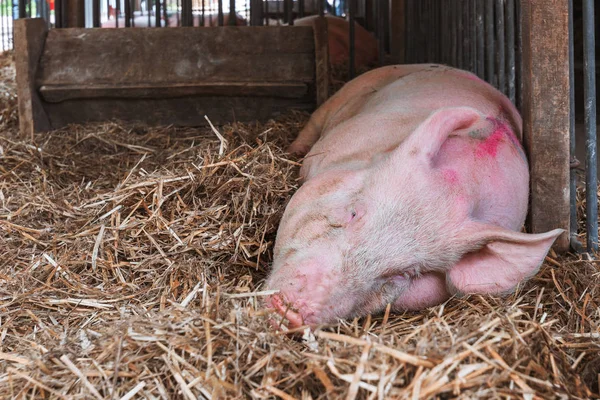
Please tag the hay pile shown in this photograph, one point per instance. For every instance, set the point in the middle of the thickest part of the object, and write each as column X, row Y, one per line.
column 132, row 262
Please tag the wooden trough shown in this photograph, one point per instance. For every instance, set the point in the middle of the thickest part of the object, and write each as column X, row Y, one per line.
column 172, row 76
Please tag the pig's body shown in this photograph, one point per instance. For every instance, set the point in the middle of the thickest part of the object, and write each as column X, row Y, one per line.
column 415, row 189
column 338, row 29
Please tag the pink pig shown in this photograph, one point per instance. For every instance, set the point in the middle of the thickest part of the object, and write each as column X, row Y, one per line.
column 415, row 189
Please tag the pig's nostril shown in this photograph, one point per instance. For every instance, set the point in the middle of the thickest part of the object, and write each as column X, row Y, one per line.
column 285, row 309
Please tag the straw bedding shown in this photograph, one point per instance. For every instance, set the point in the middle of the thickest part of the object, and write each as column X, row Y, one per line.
column 132, row 263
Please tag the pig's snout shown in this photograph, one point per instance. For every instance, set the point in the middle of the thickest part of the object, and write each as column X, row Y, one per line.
column 303, row 297
column 291, row 317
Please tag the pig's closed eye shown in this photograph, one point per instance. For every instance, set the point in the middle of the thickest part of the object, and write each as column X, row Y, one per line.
column 353, row 214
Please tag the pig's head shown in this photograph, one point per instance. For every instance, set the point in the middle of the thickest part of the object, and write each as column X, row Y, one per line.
column 352, row 241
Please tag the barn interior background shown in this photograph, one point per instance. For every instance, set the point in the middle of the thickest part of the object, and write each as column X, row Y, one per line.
column 134, row 251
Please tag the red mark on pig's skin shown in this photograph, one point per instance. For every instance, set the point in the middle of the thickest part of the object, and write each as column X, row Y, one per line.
column 450, row 175
column 489, row 147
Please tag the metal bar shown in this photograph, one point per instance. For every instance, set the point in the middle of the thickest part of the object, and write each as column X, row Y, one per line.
column 408, row 22
column 500, row 47
column 321, row 7
column 203, row 13
column 473, row 31
column 381, row 33
column 220, row 16
column 127, row 13
column 510, row 50
column 178, row 13
column 290, row 12
column 352, row 56
column 156, row 12
column 95, row 13
column 117, row 11
column 256, row 14
column 422, row 32
column 22, row 9
column 574, row 242
column 300, row 8
column 519, row 58
column 466, row 35
column 266, row 13
column 489, row 42
column 429, row 38
column 591, row 168
column 164, row 11
column 460, row 36
column 479, row 12
column 148, row 10
column 454, row 18
column 232, row 14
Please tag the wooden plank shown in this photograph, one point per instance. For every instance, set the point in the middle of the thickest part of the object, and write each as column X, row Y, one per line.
column 322, row 66
column 58, row 93
column 183, row 55
column 185, row 111
column 30, row 35
column 546, row 113
column 397, row 30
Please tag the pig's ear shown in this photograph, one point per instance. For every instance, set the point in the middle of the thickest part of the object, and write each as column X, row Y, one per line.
column 429, row 137
column 506, row 259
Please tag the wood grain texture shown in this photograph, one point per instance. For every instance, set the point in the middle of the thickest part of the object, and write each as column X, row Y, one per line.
column 546, row 113
column 175, row 76
column 322, row 66
column 30, row 35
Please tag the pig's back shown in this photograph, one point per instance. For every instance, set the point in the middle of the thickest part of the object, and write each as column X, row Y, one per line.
column 377, row 122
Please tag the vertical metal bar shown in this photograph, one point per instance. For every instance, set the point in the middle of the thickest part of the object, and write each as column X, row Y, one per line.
column 164, row 11
column 220, row 16
column 454, row 15
column 266, row 13
column 591, row 168
column 117, row 11
column 510, row 49
column 489, row 42
column 480, row 39
column 428, row 33
column 156, row 12
column 519, row 57
column 408, row 22
column 321, row 7
column 256, row 14
column 466, row 35
column 500, row 47
column 352, row 56
column 95, row 13
column 473, row 30
column 232, row 15
column 179, row 10
column 574, row 242
column 127, row 14
column 381, row 33
column 290, row 12
column 300, row 8
column 22, row 9
column 460, row 35
column 203, row 13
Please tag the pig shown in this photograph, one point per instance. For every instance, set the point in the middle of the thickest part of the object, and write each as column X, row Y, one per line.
column 365, row 44
column 414, row 189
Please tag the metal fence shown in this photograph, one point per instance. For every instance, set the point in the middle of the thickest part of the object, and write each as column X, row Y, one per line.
column 482, row 36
